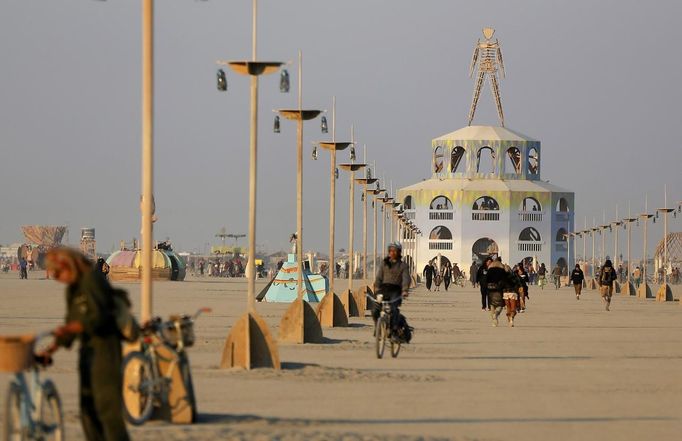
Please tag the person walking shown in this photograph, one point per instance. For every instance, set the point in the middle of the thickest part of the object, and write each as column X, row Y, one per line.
column 607, row 275
column 437, row 279
column 637, row 275
column 447, row 275
column 523, row 290
column 473, row 271
column 510, row 292
column 428, row 275
column 23, row 268
column 496, row 281
column 577, row 277
column 94, row 317
column 556, row 276
column 542, row 276
column 480, row 279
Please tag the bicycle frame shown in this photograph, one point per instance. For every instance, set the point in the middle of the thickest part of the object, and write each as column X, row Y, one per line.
column 30, row 400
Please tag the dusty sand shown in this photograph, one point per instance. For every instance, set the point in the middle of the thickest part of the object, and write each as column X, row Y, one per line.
column 567, row 371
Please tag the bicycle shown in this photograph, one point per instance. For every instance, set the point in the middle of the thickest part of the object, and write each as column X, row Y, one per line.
column 144, row 385
column 33, row 409
column 383, row 327
column 542, row 282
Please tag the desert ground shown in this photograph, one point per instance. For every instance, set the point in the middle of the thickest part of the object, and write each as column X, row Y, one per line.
column 569, row 370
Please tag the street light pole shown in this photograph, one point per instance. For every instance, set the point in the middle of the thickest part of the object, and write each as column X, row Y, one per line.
column 297, row 326
column 664, row 293
column 147, row 156
column 239, row 349
column 326, row 309
column 644, row 289
column 352, row 167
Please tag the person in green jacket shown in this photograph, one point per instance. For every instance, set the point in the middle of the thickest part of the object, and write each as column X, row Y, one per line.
column 91, row 318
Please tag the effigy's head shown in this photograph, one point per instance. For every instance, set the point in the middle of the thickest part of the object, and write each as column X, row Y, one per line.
column 488, row 33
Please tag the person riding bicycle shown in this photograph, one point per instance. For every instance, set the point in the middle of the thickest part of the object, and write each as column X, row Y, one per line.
column 557, row 272
column 392, row 280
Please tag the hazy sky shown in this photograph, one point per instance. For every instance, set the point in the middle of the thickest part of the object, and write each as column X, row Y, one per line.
column 598, row 82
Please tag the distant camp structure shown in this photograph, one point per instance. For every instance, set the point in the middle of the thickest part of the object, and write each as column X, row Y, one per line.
column 125, row 264
column 674, row 252
column 39, row 239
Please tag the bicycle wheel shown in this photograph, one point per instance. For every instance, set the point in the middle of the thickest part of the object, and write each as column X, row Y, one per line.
column 13, row 430
column 380, row 332
column 51, row 418
column 138, row 388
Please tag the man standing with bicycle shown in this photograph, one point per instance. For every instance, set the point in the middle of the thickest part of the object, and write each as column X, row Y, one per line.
column 94, row 317
column 392, row 280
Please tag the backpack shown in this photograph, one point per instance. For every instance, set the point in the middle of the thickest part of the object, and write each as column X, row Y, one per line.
column 404, row 330
column 606, row 276
column 128, row 328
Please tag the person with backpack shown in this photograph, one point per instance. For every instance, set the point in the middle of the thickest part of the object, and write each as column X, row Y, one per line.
column 99, row 317
column 607, row 275
column 577, row 277
column 393, row 281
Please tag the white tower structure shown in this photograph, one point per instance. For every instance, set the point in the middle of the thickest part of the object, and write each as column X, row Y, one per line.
column 486, row 198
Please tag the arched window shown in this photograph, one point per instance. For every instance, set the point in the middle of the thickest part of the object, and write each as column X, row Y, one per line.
column 562, row 205
column 561, row 235
column 533, row 161
column 485, row 208
column 440, row 238
column 530, row 204
column 441, row 203
column 456, row 159
column 440, row 233
column 407, row 203
column 486, row 203
column 513, row 161
column 483, row 248
column 441, row 209
column 530, row 234
column 485, row 160
column 438, row 159
column 530, row 210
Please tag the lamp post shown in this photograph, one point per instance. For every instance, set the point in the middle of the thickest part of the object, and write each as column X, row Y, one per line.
column 299, row 325
column 347, row 298
column 644, row 291
column 664, row 293
column 376, row 192
column 326, row 308
column 240, row 349
column 387, row 208
column 367, row 180
column 627, row 224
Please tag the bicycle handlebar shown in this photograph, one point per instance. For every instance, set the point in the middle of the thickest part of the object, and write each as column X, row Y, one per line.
column 400, row 297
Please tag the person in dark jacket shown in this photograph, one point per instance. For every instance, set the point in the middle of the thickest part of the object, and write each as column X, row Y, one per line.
column 447, row 275
column 91, row 318
column 393, row 281
column 480, row 279
column 495, row 280
column 607, row 275
column 577, row 278
column 428, row 275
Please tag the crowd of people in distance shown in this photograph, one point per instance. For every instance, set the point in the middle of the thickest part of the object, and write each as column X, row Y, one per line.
column 219, row 267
